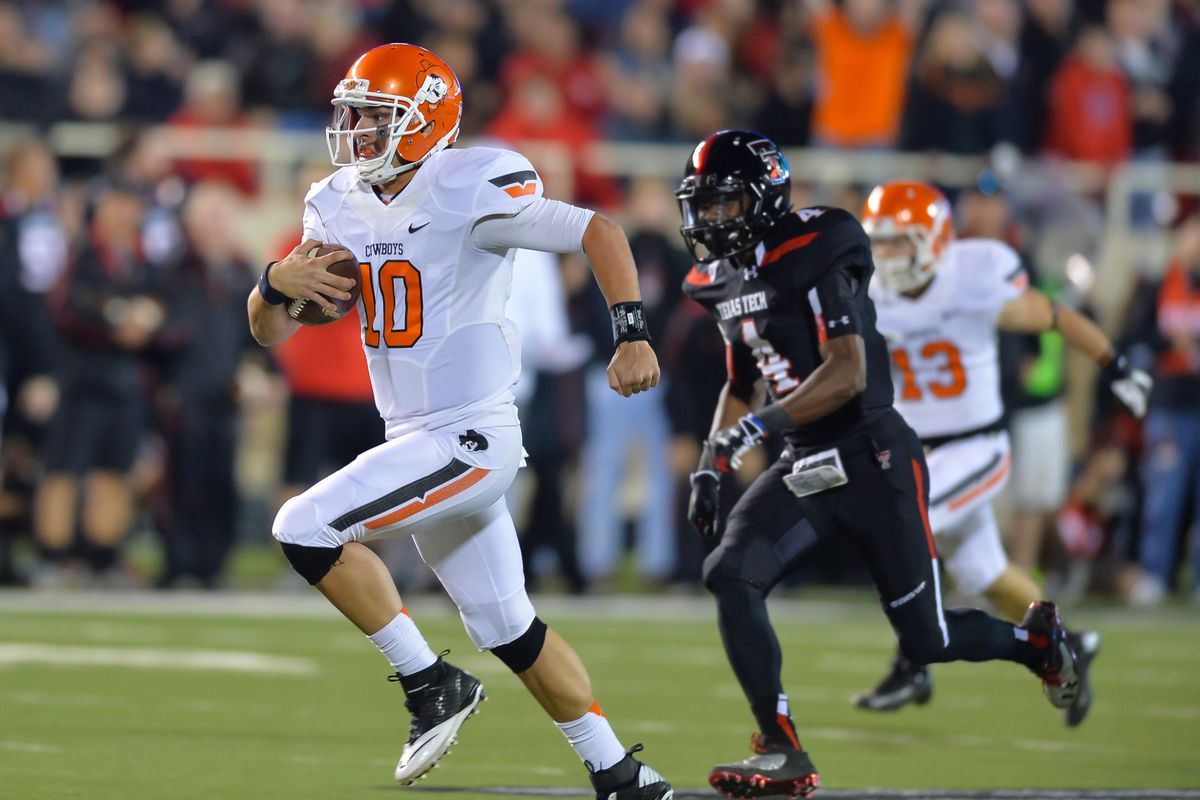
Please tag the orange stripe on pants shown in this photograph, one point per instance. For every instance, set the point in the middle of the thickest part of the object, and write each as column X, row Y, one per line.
column 988, row 483
column 418, row 505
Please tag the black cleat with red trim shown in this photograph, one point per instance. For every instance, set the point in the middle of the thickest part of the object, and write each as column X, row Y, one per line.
column 775, row 769
column 1060, row 670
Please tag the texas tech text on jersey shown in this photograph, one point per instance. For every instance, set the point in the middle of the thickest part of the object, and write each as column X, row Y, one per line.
column 807, row 284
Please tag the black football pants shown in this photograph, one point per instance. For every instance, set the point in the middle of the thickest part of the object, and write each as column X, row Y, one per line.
column 881, row 512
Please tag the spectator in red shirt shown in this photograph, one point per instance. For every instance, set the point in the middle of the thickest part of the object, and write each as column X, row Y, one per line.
column 1090, row 115
column 548, row 48
column 212, row 99
column 537, row 112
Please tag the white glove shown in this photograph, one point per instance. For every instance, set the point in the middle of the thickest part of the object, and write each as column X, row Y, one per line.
column 1131, row 386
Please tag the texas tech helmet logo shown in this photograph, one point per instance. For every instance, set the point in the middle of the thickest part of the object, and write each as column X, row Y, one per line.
column 769, row 153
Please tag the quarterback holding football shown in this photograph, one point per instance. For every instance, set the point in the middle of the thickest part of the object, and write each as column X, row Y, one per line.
column 433, row 230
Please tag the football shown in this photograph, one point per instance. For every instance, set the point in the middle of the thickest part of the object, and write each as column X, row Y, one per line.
column 307, row 312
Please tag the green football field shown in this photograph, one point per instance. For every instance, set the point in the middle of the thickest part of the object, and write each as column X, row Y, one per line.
column 156, row 696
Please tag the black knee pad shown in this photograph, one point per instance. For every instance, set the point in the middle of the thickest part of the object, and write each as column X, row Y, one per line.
column 750, row 563
column 311, row 562
column 520, row 654
column 718, row 569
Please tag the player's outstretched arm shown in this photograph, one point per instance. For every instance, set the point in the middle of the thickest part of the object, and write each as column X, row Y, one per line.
column 1034, row 312
column 297, row 275
column 634, row 366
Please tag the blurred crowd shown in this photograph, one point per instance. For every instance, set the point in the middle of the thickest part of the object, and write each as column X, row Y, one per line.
column 132, row 387
column 1103, row 80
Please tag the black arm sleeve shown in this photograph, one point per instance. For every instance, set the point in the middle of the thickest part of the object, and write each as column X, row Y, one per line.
column 839, row 251
column 741, row 368
column 839, row 302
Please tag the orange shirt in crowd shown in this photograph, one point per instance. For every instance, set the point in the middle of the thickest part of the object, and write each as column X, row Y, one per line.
column 325, row 362
column 860, row 81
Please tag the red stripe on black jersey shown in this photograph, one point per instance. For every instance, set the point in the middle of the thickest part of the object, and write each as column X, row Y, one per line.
column 776, row 253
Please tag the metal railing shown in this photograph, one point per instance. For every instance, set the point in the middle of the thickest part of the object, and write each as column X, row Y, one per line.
column 1122, row 249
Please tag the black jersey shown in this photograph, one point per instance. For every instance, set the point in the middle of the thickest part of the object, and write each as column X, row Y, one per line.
column 807, row 283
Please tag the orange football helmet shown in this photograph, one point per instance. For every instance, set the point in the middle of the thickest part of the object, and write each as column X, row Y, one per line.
column 396, row 100
column 914, row 210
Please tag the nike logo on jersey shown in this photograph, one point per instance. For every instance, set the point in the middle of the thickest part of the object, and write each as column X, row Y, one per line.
column 517, row 184
column 414, row 228
column 739, row 306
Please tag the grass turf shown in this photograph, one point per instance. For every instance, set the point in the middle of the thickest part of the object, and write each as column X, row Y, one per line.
column 332, row 727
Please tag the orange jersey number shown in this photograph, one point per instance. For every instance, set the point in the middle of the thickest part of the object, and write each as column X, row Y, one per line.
column 952, row 378
column 395, row 277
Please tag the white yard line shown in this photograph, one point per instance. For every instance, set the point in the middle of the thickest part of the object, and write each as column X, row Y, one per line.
column 151, row 658
column 30, row 747
column 785, row 607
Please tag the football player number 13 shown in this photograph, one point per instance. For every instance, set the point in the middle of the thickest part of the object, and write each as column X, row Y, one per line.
column 951, row 380
column 399, row 288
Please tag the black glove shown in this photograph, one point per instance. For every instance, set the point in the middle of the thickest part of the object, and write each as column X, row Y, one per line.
column 1131, row 386
column 704, row 504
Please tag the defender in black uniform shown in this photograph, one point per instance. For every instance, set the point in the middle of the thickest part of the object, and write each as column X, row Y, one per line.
column 789, row 291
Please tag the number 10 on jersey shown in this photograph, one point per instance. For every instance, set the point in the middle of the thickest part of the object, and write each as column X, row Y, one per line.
column 398, row 289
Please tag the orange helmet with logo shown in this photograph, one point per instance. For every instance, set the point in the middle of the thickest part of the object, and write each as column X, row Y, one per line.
column 396, row 100
column 914, row 210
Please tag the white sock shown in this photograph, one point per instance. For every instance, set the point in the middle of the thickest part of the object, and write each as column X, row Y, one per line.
column 403, row 645
column 593, row 739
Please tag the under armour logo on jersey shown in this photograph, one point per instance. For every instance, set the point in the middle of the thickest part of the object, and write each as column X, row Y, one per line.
column 884, row 457
column 842, row 320
column 517, row 184
column 752, row 272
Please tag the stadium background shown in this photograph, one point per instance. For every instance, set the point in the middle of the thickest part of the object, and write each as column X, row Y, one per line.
column 1069, row 129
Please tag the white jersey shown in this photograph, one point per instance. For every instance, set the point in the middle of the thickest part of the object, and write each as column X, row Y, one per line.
column 439, row 348
column 945, row 365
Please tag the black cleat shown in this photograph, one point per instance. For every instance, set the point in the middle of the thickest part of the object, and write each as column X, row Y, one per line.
column 1086, row 645
column 774, row 769
column 438, row 711
column 905, row 683
column 629, row 779
column 1059, row 670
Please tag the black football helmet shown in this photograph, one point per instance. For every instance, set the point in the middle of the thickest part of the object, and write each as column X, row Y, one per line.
column 736, row 185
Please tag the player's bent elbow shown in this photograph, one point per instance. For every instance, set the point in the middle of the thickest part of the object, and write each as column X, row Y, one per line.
column 853, row 381
column 260, row 336
column 600, row 228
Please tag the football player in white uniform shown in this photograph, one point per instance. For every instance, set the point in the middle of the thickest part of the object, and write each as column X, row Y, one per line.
column 434, row 230
column 940, row 302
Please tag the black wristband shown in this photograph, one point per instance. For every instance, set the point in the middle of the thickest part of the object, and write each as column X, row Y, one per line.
column 629, row 322
column 775, row 418
column 269, row 293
